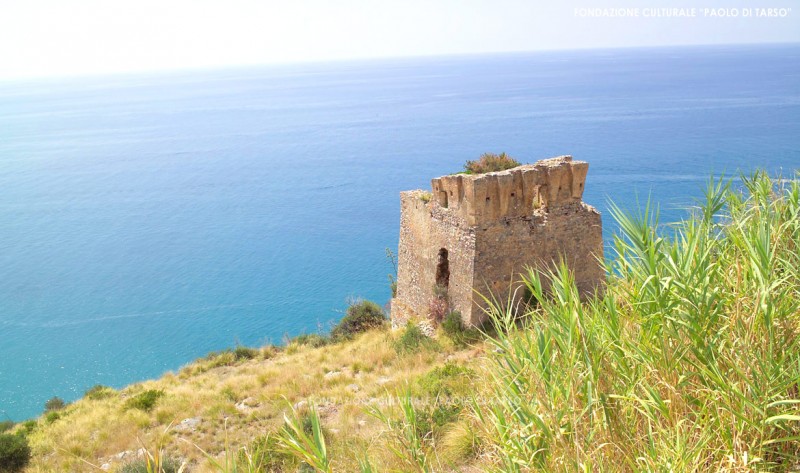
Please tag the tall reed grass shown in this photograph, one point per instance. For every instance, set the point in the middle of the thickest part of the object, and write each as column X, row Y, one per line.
column 689, row 360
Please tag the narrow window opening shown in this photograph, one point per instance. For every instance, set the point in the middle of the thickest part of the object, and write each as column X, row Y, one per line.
column 537, row 198
column 443, row 270
column 443, row 199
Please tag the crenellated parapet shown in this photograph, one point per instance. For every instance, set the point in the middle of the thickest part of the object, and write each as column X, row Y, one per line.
column 516, row 192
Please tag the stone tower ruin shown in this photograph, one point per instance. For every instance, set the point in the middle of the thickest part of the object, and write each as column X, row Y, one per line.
column 476, row 233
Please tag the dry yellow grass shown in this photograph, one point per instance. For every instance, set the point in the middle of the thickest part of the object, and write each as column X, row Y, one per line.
column 241, row 402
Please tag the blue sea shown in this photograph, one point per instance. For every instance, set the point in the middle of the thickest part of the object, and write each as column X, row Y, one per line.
column 146, row 220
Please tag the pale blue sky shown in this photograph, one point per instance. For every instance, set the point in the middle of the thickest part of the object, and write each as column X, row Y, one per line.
column 69, row 37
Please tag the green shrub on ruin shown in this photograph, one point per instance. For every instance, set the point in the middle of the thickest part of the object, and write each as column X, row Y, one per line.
column 490, row 162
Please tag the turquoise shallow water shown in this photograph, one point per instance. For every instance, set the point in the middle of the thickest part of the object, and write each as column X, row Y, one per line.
column 147, row 220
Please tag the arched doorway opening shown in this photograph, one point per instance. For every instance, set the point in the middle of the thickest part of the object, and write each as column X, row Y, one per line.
column 443, row 270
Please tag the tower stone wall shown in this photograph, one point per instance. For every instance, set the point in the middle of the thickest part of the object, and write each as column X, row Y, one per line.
column 475, row 234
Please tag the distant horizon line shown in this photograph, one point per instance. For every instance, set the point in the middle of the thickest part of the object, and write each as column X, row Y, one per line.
column 282, row 64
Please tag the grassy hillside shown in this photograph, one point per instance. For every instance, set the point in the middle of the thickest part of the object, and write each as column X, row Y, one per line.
column 218, row 405
column 689, row 361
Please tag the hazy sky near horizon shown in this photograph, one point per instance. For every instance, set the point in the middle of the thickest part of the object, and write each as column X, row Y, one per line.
column 46, row 38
